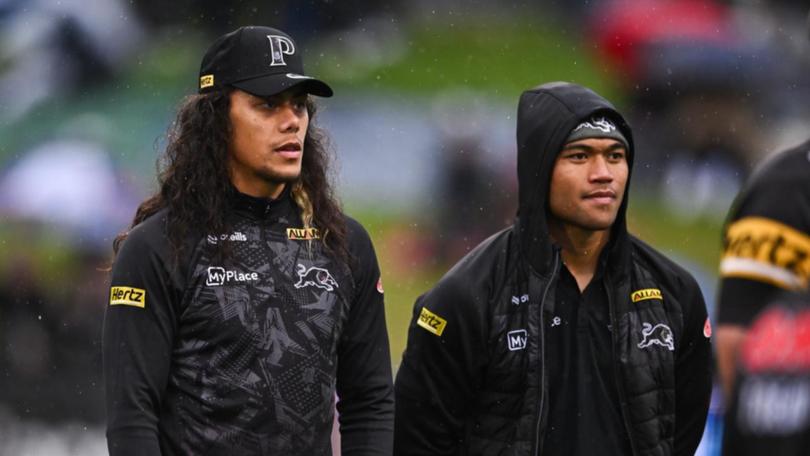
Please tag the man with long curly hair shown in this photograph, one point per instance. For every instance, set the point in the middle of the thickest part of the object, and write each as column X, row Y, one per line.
column 242, row 299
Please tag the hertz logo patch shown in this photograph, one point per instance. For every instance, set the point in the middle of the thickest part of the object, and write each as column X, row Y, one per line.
column 206, row 81
column 647, row 293
column 303, row 234
column 432, row 322
column 762, row 249
column 127, row 296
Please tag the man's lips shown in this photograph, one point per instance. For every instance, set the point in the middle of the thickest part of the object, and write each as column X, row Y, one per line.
column 291, row 149
column 601, row 196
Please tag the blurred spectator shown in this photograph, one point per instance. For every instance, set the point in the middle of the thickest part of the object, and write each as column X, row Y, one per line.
column 467, row 202
column 50, row 358
column 55, row 48
column 474, row 195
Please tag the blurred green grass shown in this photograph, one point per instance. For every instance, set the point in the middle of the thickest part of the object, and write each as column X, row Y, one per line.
column 497, row 55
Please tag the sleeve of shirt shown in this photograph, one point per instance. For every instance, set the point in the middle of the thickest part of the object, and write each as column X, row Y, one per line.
column 364, row 381
column 693, row 375
column 435, row 382
column 766, row 250
column 139, row 326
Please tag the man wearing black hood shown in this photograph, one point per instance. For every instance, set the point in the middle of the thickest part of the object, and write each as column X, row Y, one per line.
column 563, row 334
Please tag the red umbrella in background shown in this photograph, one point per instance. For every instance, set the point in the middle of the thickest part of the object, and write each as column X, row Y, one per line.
column 623, row 29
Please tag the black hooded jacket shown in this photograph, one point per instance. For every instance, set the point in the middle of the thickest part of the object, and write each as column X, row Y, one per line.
column 473, row 378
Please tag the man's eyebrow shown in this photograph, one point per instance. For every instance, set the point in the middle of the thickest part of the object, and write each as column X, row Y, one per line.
column 586, row 148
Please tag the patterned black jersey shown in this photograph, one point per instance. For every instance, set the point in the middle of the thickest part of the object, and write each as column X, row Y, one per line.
column 767, row 237
column 245, row 355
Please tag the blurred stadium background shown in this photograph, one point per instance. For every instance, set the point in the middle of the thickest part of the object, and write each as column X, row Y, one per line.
column 423, row 128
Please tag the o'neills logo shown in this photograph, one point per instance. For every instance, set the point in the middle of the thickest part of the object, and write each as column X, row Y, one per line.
column 647, row 293
column 236, row 236
column 218, row 276
column 303, row 234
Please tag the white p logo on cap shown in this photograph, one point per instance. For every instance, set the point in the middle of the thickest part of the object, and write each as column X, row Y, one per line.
column 280, row 45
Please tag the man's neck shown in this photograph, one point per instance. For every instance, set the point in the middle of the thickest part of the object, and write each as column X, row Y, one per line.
column 256, row 189
column 580, row 249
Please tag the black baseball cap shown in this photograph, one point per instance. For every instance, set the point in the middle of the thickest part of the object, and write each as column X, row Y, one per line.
column 262, row 61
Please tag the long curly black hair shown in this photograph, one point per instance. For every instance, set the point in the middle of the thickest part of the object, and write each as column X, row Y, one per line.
column 195, row 186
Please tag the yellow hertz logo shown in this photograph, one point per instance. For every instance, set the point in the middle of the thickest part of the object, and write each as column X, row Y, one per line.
column 432, row 322
column 647, row 293
column 303, row 234
column 762, row 249
column 127, row 296
column 206, row 81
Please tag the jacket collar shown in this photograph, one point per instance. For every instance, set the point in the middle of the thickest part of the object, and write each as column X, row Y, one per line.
column 262, row 208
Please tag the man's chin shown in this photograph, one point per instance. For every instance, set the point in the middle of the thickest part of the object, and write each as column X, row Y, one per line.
column 279, row 177
column 597, row 224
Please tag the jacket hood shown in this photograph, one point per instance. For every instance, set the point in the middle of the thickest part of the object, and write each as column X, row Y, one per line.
column 546, row 116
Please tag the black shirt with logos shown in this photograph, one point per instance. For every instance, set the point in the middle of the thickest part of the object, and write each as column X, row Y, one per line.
column 245, row 354
column 584, row 415
column 766, row 240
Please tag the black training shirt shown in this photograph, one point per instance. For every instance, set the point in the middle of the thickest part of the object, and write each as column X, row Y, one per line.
column 584, row 416
column 244, row 355
column 766, row 240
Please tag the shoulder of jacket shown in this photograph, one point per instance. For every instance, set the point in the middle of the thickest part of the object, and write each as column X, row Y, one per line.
column 355, row 230
column 483, row 269
column 151, row 234
column 782, row 169
column 661, row 267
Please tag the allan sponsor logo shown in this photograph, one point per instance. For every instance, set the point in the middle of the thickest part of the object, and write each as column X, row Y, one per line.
column 236, row 236
column 766, row 250
column 218, row 276
column 380, row 286
column 317, row 277
column 431, row 322
column 303, row 234
column 516, row 340
column 128, row 296
column 647, row 293
column 659, row 334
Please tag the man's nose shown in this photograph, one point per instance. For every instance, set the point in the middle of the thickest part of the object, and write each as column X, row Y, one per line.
column 290, row 118
column 600, row 170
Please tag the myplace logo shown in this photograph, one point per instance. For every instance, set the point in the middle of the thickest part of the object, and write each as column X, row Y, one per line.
column 516, row 340
column 218, row 276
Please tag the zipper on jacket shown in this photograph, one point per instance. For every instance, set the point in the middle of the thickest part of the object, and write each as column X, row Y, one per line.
column 617, row 356
column 538, row 438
